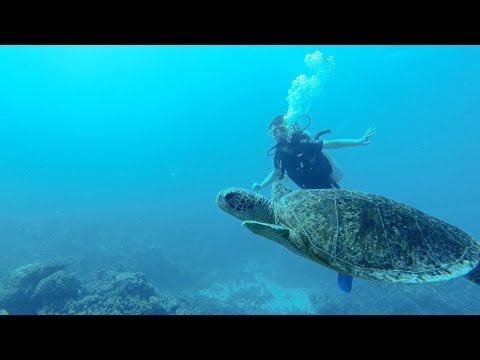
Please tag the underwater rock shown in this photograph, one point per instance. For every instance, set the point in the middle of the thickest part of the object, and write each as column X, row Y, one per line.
column 17, row 296
column 57, row 288
column 28, row 276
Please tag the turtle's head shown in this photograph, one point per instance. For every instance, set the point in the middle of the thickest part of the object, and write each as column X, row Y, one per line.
column 245, row 205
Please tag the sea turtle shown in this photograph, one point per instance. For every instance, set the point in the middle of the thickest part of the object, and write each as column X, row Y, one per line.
column 357, row 234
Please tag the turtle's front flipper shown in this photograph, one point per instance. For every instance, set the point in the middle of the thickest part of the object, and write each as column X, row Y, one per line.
column 345, row 282
column 273, row 232
column 278, row 233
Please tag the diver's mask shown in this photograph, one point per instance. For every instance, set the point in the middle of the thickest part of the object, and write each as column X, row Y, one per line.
column 279, row 132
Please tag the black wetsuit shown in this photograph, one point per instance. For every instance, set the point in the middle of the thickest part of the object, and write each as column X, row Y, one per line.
column 304, row 163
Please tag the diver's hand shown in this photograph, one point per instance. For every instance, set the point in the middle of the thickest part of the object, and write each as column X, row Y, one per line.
column 365, row 139
column 256, row 186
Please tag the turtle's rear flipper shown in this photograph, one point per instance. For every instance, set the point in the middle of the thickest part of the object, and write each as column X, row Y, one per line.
column 474, row 275
column 345, row 282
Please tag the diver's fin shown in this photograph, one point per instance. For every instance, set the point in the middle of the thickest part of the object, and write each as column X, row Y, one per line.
column 270, row 231
column 345, row 282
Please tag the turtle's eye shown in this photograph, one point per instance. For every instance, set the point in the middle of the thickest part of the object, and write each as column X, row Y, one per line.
column 229, row 196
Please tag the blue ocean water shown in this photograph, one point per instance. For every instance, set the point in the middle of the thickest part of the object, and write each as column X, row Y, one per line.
column 113, row 156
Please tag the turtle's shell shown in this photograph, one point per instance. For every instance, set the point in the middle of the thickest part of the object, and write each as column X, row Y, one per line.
column 375, row 238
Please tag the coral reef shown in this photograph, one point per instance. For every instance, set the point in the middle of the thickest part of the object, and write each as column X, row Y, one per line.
column 47, row 288
column 119, row 293
column 32, row 285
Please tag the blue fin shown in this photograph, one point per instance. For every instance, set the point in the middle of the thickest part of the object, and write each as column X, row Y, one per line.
column 345, row 282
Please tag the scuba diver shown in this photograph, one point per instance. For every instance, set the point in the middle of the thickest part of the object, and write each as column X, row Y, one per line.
column 300, row 156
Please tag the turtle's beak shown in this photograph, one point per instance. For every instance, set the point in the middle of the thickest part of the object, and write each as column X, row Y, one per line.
column 222, row 204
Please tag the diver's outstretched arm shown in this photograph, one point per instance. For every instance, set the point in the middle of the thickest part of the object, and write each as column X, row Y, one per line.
column 274, row 175
column 340, row 143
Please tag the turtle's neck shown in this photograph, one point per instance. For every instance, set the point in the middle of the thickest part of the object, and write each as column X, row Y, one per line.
column 264, row 210
column 279, row 190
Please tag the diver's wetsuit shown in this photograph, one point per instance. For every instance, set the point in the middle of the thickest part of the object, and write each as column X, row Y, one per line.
column 305, row 164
